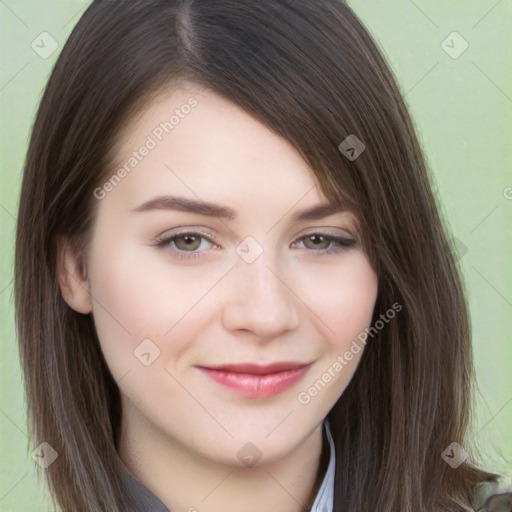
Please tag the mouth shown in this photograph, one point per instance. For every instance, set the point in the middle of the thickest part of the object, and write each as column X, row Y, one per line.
column 257, row 381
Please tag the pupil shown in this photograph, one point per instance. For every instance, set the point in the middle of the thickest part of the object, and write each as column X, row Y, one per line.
column 188, row 242
column 318, row 241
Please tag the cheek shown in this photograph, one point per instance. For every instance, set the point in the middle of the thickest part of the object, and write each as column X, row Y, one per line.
column 137, row 298
column 343, row 307
column 132, row 302
column 343, row 298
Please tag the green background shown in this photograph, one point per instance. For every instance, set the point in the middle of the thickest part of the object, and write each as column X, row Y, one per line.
column 462, row 110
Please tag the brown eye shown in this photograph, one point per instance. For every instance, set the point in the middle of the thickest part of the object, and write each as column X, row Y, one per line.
column 187, row 242
column 322, row 244
column 185, row 245
column 317, row 241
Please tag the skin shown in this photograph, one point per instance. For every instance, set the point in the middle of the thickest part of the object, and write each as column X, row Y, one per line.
column 181, row 431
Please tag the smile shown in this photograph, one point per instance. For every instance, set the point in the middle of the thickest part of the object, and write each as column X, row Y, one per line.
column 256, row 381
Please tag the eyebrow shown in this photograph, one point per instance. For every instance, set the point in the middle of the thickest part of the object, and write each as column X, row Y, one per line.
column 184, row 204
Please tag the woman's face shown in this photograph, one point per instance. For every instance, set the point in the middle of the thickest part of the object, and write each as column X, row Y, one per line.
column 204, row 256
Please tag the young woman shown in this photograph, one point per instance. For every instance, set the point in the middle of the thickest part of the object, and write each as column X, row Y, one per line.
column 233, row 288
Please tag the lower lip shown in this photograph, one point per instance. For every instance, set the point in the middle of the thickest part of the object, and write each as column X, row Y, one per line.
column 257, row 386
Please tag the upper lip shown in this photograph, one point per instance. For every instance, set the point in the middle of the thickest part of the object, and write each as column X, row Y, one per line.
column 258, row 369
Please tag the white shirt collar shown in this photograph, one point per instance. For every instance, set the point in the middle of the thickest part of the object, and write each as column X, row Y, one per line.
column 325, row 497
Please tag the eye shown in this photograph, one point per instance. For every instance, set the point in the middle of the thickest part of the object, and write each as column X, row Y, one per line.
column 185, row 245
column 317, row 242
column 188, row 242
column 326, row 244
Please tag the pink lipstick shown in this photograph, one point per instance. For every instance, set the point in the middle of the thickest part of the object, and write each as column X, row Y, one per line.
column 257, row 381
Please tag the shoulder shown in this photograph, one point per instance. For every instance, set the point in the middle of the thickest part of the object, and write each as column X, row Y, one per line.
column 494, row 496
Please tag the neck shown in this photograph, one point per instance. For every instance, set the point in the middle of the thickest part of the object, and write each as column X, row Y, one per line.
column 185, row 480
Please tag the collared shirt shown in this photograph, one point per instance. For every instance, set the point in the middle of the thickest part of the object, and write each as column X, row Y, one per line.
column 146, row 501
column 495, row 496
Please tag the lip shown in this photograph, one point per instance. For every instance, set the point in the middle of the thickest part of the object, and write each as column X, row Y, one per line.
column 257, row 381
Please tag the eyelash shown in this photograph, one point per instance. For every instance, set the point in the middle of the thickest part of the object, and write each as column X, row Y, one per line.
column 342, row 244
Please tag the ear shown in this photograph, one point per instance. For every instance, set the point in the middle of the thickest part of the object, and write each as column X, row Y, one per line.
column 72, row 276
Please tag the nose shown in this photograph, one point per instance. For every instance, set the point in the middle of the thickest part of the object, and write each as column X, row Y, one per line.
column 258, row 301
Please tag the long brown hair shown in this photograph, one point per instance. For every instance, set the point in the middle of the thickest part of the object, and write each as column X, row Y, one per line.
column 311, row 72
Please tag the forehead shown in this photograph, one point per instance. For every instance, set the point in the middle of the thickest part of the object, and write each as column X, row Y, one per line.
column 191, row 141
